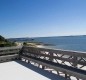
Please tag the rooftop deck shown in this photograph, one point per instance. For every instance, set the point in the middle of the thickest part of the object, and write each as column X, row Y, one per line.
column 45, row 64
column 19, row 70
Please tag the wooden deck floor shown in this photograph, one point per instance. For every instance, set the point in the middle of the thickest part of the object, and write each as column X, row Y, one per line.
column 18, row 70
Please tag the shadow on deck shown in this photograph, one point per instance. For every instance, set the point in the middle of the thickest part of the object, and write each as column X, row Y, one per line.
column 47, row 74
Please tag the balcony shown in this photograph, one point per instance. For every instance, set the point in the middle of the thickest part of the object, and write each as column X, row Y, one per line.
column 42, row 63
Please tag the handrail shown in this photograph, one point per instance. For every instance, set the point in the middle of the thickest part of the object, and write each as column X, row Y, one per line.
column 58, row 67
column 9, row 53
column 73, row 59
column 60, row 51
column 76, row 58
column 10, row 48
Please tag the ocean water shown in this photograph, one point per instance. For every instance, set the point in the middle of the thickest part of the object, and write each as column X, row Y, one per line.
column 75, row 43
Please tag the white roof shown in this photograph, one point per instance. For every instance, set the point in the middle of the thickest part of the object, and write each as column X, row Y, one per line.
column 18, row 70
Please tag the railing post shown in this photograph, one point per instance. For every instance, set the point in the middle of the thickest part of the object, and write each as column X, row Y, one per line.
column 43, row 67
column 51, row 56
column 75, row 62
column 20, row 53
column 67, row 76
column 28, row 61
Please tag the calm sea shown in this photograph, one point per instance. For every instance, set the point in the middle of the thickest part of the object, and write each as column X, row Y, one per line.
column 76, row 43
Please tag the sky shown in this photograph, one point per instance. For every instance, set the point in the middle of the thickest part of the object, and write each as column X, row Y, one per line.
column 41, row 18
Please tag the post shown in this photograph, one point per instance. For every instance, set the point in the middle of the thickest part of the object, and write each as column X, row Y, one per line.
column 43, row 67
column 51, row 56
column 20, row 53
column 67, row 76
column 75, row 62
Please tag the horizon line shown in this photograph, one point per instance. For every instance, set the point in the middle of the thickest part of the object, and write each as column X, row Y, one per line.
column 47, row 36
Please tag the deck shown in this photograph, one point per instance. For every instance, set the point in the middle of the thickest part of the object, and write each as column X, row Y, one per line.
column 19, row 70
column 41, row 63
